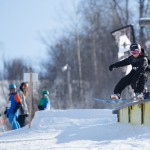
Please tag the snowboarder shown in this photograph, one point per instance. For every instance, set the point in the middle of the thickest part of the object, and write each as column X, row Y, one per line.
column 137, row 77
column 44, row 102
column 12, row 107
column 23, row 112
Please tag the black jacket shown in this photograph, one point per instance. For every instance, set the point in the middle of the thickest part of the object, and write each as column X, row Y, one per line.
column 139, row 64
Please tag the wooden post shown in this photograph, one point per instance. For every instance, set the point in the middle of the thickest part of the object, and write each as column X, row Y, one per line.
column 79, row 66
column 30, row 108
column 69, row 84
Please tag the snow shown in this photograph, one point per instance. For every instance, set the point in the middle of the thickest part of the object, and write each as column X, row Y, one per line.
column 85, row 129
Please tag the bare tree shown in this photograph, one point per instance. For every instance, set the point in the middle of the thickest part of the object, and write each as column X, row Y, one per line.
column 121, row 9
column 14, row 69
column 144, row 7
column 141, row 15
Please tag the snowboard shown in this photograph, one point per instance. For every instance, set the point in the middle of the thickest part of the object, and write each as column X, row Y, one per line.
column 110, row 101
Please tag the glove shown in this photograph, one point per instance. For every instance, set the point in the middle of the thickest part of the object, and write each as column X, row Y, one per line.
column 26, row 115
column 40, row 107
column 5, row 112
column 15, row 110
column 111, row 67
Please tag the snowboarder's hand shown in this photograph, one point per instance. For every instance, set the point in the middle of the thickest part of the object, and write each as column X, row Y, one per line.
column 111, row 67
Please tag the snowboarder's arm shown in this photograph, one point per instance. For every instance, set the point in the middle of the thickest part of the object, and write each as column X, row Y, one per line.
column 122, row 63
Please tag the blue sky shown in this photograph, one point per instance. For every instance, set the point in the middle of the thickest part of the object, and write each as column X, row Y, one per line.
column 22, row 22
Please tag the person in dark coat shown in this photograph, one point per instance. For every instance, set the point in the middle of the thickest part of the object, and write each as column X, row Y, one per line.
column 138, row 76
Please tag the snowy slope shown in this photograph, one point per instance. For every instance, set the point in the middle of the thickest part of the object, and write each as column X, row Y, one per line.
column 77, row 129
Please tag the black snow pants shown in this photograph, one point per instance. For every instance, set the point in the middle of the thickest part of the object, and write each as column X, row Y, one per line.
column 21, row 119
column 127, row 80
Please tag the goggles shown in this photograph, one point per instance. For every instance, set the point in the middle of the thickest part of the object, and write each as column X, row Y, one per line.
column 12, row 89
column 135, row 52
column 45, row 95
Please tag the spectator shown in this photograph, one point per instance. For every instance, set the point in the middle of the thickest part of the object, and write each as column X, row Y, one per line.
column 12, row 107
column 23, row 111
column 44, row 102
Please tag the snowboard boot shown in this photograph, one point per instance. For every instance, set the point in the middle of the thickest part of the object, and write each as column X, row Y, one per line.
column 115, row 96
column 139, row 96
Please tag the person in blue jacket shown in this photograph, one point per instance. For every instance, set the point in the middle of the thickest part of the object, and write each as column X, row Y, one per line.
column 44, row 102
column 12, row 107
